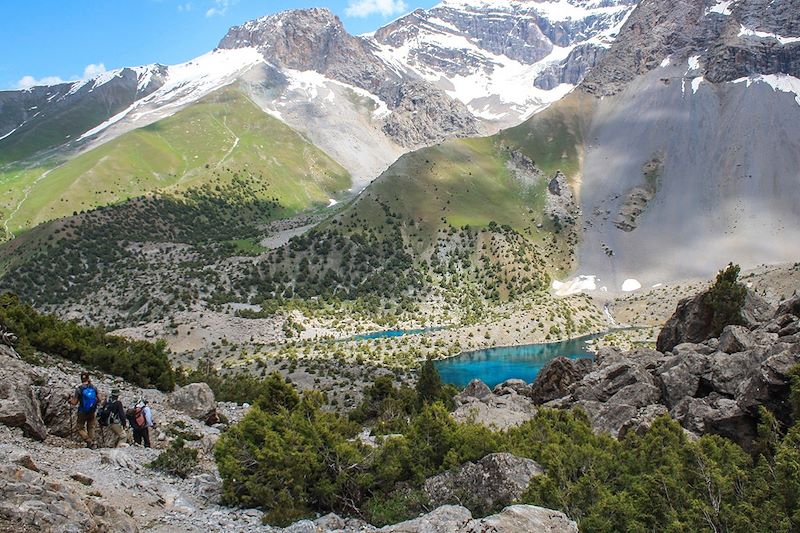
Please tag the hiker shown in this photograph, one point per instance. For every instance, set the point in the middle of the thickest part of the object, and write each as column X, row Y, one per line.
column 112, row 414
column 85, row 398
column 140, row 425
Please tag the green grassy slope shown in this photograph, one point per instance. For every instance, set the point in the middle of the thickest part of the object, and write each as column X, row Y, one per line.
column 194, row 147
column 465, row 217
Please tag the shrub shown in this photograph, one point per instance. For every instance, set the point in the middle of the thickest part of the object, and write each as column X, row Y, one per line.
column 726, row 298
column 140, row 362
column 177, row 460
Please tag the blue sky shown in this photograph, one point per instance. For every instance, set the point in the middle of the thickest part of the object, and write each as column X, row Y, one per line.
column 52, row 40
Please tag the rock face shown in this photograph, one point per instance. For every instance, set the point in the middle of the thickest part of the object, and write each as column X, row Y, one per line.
column 477, row 403
column 19, row 406
column 30, row 499
column 691, row 322
column 709, row 386
column 196, row 400
column 495, row 481
column 556, row 378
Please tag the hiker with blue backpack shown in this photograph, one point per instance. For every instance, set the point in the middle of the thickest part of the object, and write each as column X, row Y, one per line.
column 85, row 398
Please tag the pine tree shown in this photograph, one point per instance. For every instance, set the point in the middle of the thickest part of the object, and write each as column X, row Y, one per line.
column 726, row 298
column 429, row 384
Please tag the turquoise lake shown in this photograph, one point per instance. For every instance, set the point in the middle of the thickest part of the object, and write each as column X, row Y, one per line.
column 495, row 365
column 389, row 333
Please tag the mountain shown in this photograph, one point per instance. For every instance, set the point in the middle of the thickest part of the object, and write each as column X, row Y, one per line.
column 364, row 100
column 680, row 147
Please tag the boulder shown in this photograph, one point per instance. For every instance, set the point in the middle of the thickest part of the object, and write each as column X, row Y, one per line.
column 719, row 415
column 19, row 406
column 556, row 378
column 493, row 482
column 57, row 414
column 678, row 379
column 691, row 322
column 604, row 382
column 196, row 400
column 769, row 385
column 497, row 412
column 735, row 339
column 524, row 518
column 511, row 386
column 475, row 390
column 643, row 420
column 729, row 371
column 790, row 306
column 445, row 519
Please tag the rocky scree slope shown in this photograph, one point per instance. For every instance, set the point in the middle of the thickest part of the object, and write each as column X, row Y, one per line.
column 49, row 482
column 692, row 151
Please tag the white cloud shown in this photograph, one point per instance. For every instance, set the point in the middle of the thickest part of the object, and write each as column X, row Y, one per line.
column 365, row 8
column 220, row 8
column 183, row 8
column 93, row 70
column 26, row 82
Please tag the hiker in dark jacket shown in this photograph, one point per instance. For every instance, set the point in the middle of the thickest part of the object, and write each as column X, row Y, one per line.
column 117, row 422
column 85, row 398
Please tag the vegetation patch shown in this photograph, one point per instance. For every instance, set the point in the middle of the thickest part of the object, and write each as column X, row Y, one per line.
column 140, row 362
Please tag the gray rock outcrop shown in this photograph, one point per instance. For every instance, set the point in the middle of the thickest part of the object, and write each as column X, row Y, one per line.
column 477, row 403
column 495, row 481
column 195, row 399
column 19, row 406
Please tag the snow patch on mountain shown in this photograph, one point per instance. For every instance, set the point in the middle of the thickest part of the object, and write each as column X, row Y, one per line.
column 184, row 83
column 721, row 8
column 747, row 32
column 778, row 82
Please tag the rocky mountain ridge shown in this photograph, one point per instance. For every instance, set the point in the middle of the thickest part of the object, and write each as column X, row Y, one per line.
column 304, row 68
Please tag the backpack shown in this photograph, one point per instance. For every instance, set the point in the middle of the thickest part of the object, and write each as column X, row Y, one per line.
column 104, row 414
column 139, row 420
column 88, row 399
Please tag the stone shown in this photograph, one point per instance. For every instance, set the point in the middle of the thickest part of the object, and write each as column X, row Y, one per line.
column 643, row 421
column 19, row 406
column 31, row 500
column 691, row 322
column 735, row 339
column 524, row 518
column 58, row 415
column 493, row 482
column 730, row 370
column 602, row 383
column 119, row 458
column 444, row 519
column 718, row 415
column 556, row 378
column 790, row 306
column 497, row 412
column 82, row 478
column 475, row 390
column 196, row 400
column 511, row 386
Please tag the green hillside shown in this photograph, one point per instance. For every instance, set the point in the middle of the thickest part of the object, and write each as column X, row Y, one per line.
column 221, row 136
column 464, row 217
